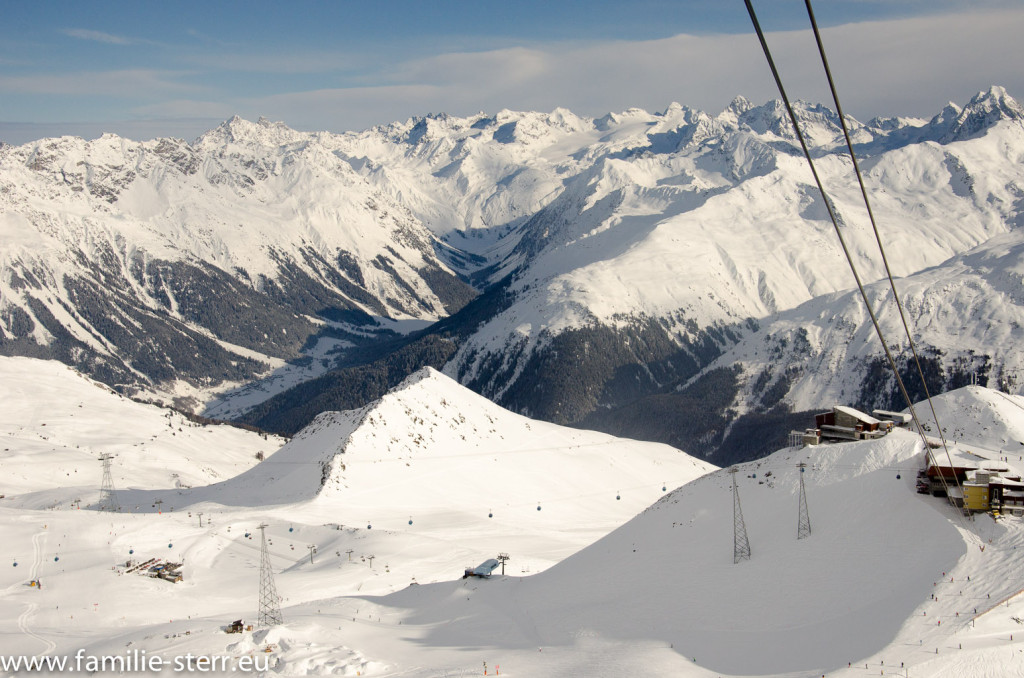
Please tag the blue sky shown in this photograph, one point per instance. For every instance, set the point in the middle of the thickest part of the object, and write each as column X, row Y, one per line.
column 144, row 69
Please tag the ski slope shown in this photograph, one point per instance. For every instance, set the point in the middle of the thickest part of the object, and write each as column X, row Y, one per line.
column 595, row 586
column 55, row 424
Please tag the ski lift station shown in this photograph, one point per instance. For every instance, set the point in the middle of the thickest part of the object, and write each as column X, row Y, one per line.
column 847, row 423
column 484, row 569
column 974, row 483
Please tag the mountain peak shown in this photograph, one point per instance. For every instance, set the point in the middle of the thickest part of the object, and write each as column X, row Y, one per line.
column 985, row 109
column 995, row 93
column 993, row 101
column 237, row 129
column 730, row 117
column 423, row 374
column 673, row 107
column 739, row 105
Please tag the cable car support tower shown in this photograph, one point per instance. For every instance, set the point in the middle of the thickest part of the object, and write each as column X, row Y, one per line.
column 108, row 500
column 740, row 543
column 270, row 607
column 803, row 527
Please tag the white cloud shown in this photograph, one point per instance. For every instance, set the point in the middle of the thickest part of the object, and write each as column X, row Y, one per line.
column 97, row 36
column 296, row 62
column 913, row 67
column 502, row 68
column 901, row 67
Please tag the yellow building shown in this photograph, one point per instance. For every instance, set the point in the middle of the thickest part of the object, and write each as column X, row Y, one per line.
column 976, row 496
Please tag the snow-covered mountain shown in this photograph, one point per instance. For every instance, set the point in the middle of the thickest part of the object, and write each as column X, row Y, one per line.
column 697, row 239
column 617, row 257
column 172, row 266
column 967, row 317
column 675, row 235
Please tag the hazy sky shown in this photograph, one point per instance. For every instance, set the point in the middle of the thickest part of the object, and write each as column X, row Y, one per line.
column 144, row 69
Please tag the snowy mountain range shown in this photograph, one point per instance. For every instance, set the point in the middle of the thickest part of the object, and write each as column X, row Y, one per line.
column 632, row 259
column 168, row 267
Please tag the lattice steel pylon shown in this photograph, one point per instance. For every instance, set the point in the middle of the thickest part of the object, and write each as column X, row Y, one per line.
column 270, row 607
column 803, row 526
column 108, row 499
column 740, row 543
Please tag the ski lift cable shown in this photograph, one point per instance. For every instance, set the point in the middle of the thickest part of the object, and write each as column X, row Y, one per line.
column 1010, row 400
column 878, row 239
column 483, row 453
column 835, row 223
column 828, row 203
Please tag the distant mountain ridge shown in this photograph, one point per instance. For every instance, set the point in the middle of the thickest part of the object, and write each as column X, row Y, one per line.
column 618, row 257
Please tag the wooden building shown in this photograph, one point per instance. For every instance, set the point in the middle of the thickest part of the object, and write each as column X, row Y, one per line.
column 847, row 423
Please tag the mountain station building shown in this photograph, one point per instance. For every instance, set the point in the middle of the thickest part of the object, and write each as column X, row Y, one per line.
column 846, row 423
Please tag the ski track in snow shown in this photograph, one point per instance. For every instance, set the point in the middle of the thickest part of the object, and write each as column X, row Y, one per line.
column 30, row 608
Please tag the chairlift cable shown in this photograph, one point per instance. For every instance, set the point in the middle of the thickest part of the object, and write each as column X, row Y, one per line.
column 881, row 249
column 835, row 223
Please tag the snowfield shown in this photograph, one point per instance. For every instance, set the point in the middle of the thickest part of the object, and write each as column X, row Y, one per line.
column 55, row 424
column 612, row 575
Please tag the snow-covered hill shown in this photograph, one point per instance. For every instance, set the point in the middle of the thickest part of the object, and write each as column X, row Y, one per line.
column 981, row 416
column 888, row 581
column 667, row 578
column 442, row 478
column 488, row 467
column 55, row 424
